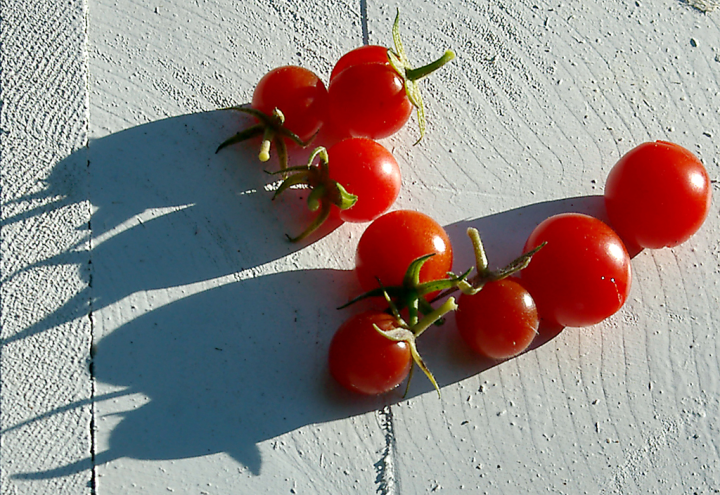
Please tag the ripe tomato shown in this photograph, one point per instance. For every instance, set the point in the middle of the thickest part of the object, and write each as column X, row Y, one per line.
column 356, row 180
column 373, row 90
column 582, row 275
column 367, row 96
column 298, row 93
column 368, row 54
column 500, row 321
column 364, row 361
column 657, row 195
column 396, row 239
column 369, row 171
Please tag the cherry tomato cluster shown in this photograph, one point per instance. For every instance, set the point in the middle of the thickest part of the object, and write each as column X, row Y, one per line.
column 412, row 254
column 371, row 94
column 575, row 270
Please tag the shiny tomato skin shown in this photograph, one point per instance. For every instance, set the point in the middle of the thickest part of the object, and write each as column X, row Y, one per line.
column 367, row 96
column 657, row 195
column 368, row 54
column 362, row 360
column 498, row 322
column 582, row 275
column 299, row 94
column 393, row 241
column 368, row 170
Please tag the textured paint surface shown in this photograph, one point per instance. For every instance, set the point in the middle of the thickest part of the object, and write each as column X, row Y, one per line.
column 127, row 242
column 45, row 408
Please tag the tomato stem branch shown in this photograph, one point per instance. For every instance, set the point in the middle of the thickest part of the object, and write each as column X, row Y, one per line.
column 430, row 318
column 399, row 61
column 481, row 261
column 425, row 70
column 268, row 136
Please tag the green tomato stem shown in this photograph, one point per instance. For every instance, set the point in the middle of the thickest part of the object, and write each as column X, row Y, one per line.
column 417, row 359
column 293, row 180
column 431, row 318
column 277, row 119
column 409, row 379
column 316, row 197
column 441, row 285
column 324, row 192
column 425, row 70
column 273, row 131
column 413, row 312
column 281, row 150
column 481, row 261
column 412, row 275
column 322, row 153
column 268, row 136
column 241, row 136
column 316, row 223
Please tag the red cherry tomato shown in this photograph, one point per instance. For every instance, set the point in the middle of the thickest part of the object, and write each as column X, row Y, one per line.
column 657, row 195
column 368, row 54
column 367, row 96
column 500, row 321
column 298, row 93
column 582, row 275
column 396, row 239
column 364, row 361
column 368, row 170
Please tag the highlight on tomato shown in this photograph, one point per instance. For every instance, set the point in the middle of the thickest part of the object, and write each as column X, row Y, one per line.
column 393, row 241
column 373, row 89
column 290, row 105
column 657, row 195
column 582, row 275
column 357, row 178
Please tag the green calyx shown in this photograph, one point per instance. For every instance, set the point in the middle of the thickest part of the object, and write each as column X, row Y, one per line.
column 400, row 62
column 409, row 333
column 411, row 294
column 324, row 191
column 421, row 315
column 273, row 131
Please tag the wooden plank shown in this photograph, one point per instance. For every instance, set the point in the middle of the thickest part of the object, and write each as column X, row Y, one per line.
column 210, row 331
column 45, row 411
column 218, row 366
column 549, row 97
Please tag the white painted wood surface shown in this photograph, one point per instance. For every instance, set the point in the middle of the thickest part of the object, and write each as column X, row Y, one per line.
column 127, row 243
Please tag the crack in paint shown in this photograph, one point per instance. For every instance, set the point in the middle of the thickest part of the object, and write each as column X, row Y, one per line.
column 364, row 22
column 387, row 479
